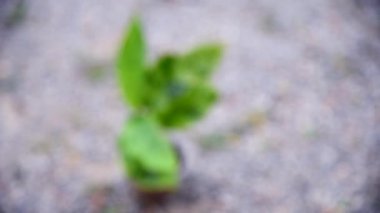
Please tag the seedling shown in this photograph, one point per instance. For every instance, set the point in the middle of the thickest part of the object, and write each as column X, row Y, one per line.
column 170, row 93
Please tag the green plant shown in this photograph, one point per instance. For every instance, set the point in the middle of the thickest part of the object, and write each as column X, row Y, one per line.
column 170, row 93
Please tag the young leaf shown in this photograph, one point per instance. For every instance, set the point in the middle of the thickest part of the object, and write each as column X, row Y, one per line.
column 149, row 158
column 130, row 64
column 202, row 60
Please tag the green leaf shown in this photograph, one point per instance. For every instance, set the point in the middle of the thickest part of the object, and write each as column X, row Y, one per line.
column 149, row 158
column 182, row 92
column 130, row 64
column 179, row 92
column 158, row 78
column 202, row 60
column 188, row 107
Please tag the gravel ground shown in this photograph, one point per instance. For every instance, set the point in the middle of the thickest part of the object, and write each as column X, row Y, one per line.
column 296, row 129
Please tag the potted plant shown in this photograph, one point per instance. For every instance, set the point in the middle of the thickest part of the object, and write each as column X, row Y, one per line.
column 170, row 93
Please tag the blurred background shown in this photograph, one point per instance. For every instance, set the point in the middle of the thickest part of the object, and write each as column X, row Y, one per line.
column 297, row 128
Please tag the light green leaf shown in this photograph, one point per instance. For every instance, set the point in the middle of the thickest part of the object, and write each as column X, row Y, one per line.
column 149, row 158
column 202, row 60
column 130, row 64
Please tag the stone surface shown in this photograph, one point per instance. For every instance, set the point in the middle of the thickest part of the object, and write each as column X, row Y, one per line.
column 298, row 119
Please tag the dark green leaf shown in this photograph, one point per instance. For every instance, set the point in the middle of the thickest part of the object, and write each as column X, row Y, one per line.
column 181, row 92
column 190, row 106
column 159, row 78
